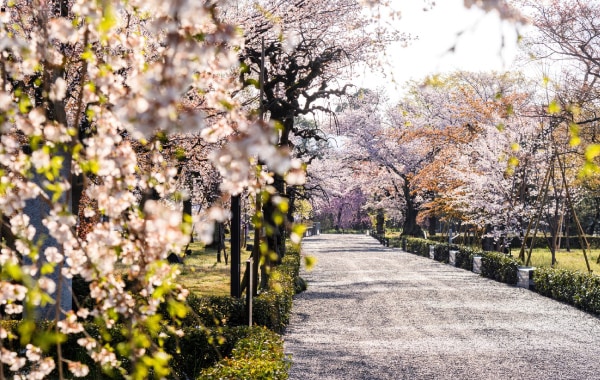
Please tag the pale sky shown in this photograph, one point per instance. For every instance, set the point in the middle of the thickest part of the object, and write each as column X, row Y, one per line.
column 478, row 48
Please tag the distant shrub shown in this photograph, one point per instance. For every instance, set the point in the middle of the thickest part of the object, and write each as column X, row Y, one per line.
column 497, row 266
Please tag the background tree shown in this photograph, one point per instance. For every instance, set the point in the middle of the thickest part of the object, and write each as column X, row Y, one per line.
column 310, row 48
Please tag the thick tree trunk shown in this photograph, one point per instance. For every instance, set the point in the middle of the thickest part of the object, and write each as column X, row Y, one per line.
column 432, row 225
column 380, row 222
column 38, row 209
column 275, row 222
column 410, row 226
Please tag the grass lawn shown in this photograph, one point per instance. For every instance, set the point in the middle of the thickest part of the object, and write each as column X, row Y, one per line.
column 540, row 257
column 573, row 260
column 202, row 275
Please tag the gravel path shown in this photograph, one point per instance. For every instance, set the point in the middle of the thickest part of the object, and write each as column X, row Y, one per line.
column 379, row 313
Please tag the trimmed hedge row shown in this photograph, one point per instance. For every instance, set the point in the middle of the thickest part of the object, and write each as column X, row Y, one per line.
column 581, row 290
column 259, row 355
column 499, row 267
column 496, row 266
column 195, row 351
column 272, row 308
column 214, row 334
column 575, row 288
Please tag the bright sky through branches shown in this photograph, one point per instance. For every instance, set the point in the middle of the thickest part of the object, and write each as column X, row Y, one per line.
column 449, row 37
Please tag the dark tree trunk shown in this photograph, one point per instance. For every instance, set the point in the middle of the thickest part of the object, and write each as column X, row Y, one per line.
column 432, row 225
column 275, row 223
column 487, row 243
column 187, row 214
column 410, row 226
column 380, row 222
column 592, row 227
column 567, row 232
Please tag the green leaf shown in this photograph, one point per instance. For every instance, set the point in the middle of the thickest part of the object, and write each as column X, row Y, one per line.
column 90, row 167
column 14, row 271
column 24, row 104
column 26, row 329
column 574, row 132
column 299, row 229
column 592, row 151
column 108, row 21
column 553, row 108
column 176, row 309
column 87, row 54
column 545, row 81
column 48, row 338
column 47, row 268
column 252, row 82
column 309, row 262
column 180, row 154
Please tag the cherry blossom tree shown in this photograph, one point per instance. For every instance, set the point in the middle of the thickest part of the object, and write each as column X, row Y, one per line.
column 82, row 85
column 341, row 201
column 309, row 48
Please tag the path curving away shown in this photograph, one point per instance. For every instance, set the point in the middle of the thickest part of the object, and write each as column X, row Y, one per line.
column 379, row 313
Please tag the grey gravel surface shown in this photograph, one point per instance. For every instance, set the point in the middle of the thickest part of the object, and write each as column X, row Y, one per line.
column 379, row 313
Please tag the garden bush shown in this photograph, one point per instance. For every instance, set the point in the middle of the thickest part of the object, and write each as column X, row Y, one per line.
column 464, row 257
column 259, row 355
column 579, row 289
column 441, row 253
column 201, row 348
column 211, row 311
column 499, row 267
column 418, row 246
column 575, row 288
column 495, row 265
column 214, row 332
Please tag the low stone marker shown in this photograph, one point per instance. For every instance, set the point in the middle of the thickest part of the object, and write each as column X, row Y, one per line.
column 525, row 277
column 452, row 257
column 477, row 264
column 432, row 252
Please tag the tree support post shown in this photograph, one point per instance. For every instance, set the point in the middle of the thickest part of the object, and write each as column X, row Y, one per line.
column 236, row 223
column 249, row 290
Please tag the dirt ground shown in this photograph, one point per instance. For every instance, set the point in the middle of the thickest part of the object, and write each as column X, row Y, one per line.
column 379, row 313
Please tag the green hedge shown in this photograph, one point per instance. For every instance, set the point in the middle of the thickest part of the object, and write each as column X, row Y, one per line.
column 259, row 355
column 581, row 290
column 418, row 246
column 272, row 308
column 575, row 288
column 199, row 349
column 497, row 266
column 214, row 334
column 195, row 351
